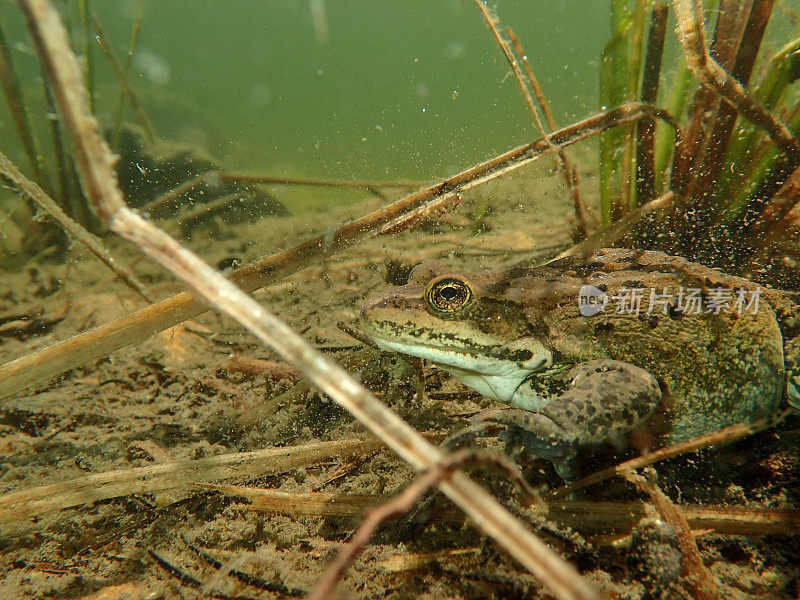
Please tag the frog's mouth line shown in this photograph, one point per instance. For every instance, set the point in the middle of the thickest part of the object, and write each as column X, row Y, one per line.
column 492, row 360
column 423, row 350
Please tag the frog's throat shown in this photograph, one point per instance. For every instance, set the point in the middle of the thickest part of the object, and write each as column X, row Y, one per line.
column 493, row 377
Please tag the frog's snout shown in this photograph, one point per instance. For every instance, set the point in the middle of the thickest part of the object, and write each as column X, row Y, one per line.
column 389, row 302
column 376, row 303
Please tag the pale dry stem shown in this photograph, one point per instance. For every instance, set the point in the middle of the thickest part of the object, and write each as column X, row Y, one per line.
column 29, row 189
column 584, row 515
column 403, row 503
column 17, row 507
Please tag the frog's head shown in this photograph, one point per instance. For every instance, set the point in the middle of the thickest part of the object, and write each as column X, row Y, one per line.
column 463, row 324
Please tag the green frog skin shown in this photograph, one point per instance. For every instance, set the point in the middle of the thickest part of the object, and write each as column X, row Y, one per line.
column 581, row 375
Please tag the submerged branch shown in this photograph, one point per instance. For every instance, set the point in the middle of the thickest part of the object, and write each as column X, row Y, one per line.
column 586, row 219
column 558, row 156
column 16, row 507
column 247, row 178
column 30, row 190
column 584, row 515
column 708, row 72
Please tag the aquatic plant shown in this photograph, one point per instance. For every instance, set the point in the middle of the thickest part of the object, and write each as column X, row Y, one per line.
column 733, row 173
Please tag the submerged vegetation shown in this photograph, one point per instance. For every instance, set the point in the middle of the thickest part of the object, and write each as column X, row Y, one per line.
column 706, row 167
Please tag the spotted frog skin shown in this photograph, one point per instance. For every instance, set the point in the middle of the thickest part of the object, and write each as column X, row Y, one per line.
column 582, row 376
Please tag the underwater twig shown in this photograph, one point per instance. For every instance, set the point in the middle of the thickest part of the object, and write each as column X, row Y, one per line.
column 743, row 152
column 753, row 27
column 402, row 503
column 584, row 515
column 712, row 117
column 178, row 475
column 583, row 215
column 703, row 583
column 722, row 436
column 30, row 190
column 99, row 342
column 708, row 72
column 95, row 161
column 126, row 69
column 569, row 175
column 122, row 78
column 215, row 177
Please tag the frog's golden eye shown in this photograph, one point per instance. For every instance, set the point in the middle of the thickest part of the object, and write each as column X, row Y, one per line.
column 447, row 295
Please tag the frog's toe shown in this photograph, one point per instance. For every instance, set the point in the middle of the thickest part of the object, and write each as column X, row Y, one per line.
column 534, row 433
column 467, row 435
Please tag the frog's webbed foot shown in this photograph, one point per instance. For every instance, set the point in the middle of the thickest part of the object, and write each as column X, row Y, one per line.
column 522, row 430
column 605, row 402
column 530, row 432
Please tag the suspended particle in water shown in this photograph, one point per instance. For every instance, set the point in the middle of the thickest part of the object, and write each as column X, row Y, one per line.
column 259, row 94
column 455, row 50
column 155, row 68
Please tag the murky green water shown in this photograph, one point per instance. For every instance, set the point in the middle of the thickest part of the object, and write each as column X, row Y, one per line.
column 337, row 88
column 352, row 88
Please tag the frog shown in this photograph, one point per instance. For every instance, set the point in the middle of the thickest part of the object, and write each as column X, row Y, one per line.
column 621, row 347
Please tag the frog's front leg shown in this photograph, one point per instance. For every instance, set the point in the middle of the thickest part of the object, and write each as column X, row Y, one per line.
column 606, row 401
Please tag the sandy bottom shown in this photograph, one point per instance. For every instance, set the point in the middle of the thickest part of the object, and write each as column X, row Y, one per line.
column 175, row 397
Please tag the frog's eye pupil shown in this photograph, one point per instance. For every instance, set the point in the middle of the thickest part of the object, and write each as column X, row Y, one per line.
column 448, row 295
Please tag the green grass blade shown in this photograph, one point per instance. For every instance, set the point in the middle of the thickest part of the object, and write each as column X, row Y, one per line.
column 613, row 89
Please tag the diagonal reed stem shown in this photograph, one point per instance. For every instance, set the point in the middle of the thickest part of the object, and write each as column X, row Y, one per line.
column 29, row 189
column 709, row 73
column 493, row 22
column 122, row 78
